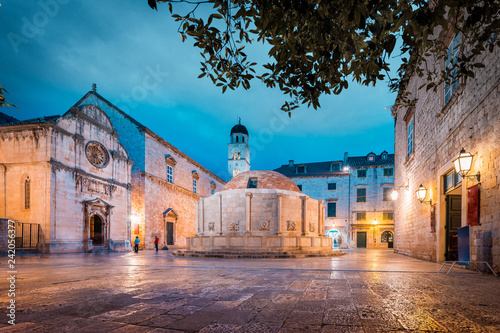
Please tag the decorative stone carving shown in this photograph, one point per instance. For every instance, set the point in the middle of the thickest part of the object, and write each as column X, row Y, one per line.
column 312, row 227
column 211, row 226
column 85, row 184
column 264, row 226
column 234, row 226
column 291, row 226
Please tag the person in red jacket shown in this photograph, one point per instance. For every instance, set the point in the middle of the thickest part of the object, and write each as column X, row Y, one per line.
column 157, row 240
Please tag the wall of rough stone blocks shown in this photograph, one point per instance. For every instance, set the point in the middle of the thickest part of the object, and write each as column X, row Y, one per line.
column 470, row 120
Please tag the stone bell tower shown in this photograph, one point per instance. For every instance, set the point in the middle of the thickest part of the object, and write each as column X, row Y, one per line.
column 238, row 153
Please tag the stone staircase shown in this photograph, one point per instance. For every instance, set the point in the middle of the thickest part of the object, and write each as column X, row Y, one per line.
column 257, row 254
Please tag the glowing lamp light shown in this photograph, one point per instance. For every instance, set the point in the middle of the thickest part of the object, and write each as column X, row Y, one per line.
column 375, row 222
column 421, row 193
column 463, row 162
column 394, row 195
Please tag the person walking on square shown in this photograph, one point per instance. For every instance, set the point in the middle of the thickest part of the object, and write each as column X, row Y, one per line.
column 136, row 244
column 157, row 240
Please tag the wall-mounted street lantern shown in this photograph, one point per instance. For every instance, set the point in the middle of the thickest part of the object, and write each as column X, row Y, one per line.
column 463, row 163
column 375, row 222
column 421, row 193
column 395, row 194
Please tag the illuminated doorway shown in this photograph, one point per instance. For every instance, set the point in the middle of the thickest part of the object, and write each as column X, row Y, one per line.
column 96, row 230
column 337, row 238
column 387, row 238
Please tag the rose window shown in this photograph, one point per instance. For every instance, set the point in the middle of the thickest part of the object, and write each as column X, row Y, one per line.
column 97, row 154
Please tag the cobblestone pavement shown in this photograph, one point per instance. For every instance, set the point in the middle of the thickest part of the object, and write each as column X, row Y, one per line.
column 363, row 291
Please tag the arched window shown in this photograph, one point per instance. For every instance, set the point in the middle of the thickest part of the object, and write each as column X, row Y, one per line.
column 243, row 139
column 237, row 138
column 386, row 237
column 27, row 193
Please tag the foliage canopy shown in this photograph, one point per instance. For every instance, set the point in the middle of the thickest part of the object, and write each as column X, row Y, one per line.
column 317, row 47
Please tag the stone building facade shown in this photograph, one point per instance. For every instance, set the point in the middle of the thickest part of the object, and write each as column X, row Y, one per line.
column 70, row 177
column 166, row 183
column 353, row 218
column 428, row 137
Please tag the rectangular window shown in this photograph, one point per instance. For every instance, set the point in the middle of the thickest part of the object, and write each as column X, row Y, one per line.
column 409, row 144
column 332, row 186
column 452, row 70
column 360, row 216
column 335, row 167
column 388, row 216
column 451, row 180
column 361, row 195
column 300, row 187
column 194, row 185
column 387, row 194
column 331, row 209
column 170, row 174
column 361, row 173
column 252, row 182
column 301, row 169
column 388, row 172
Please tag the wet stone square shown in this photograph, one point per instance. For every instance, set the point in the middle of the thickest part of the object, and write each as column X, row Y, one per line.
column 362, row 291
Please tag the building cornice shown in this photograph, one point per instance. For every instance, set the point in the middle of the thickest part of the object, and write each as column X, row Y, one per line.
column 172, row 186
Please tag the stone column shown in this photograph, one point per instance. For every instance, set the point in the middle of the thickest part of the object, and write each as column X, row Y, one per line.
column 197, row 219
column 202, row 204
column 304, row 215
column 279, row 203
column 220, row 214
column 321, row 224
column 248, row 213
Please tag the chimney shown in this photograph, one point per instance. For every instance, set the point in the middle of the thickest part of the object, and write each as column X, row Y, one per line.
column 345, row 157
column 290, row 163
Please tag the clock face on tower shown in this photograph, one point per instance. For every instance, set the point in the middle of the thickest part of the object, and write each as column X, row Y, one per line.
column 97, row 154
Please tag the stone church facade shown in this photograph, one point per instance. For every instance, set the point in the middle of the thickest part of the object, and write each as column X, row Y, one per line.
column 166, row 183
column 69, row 176
column 428, row 138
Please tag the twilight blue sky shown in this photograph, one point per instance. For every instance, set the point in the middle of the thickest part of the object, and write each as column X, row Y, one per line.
column 51, row 51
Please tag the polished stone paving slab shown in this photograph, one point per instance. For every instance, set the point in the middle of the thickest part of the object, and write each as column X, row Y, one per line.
column 364, row 291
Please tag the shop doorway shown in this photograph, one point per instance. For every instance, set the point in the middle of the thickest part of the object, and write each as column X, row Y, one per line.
column 96, row 230
column 387, row 238
column 337, row 238
column 453, row 222
column 361, row 239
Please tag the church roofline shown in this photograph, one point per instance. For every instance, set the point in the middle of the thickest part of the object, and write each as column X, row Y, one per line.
column 143, row 128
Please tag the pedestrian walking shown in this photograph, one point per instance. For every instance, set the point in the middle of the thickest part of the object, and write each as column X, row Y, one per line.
column 136, row 244
column 157, row 240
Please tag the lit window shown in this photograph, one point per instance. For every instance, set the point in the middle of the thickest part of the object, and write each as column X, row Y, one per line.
column 170, row 174
column 27, row 193
column 386, row 236
column 409, row 147
column 332, row 186
column 361, row 173
column 388, row 172
column 388, row 216
column 361, row 195
column 194, row 185
column 387, row 193
column 360, row 216
column 331, row 209
column 452, row 70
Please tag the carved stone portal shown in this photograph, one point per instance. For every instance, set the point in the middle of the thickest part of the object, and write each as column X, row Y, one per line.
column 97, row 215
